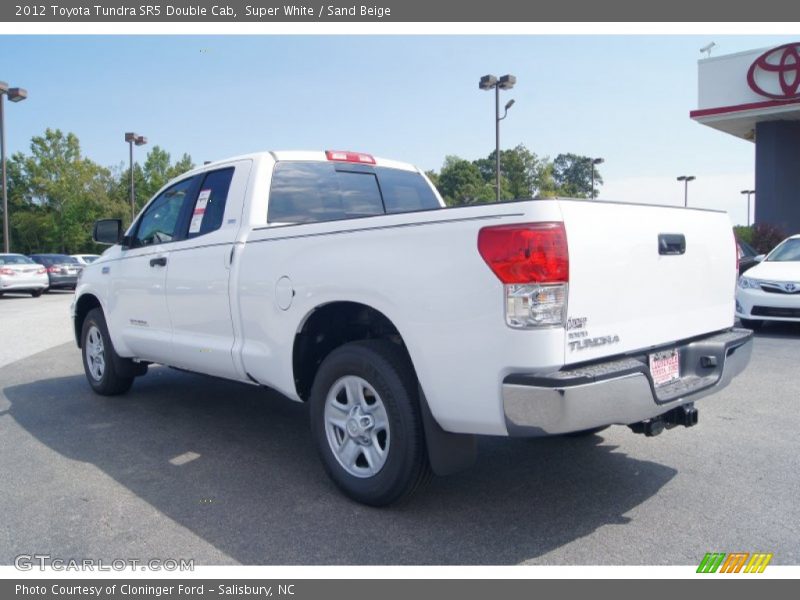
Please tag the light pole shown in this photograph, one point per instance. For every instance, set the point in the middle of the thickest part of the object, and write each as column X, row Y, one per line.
column 14, row 95
column 139, row 140
column 595, row 162
column 749, row 193
column 686, row 179
column 506, row 82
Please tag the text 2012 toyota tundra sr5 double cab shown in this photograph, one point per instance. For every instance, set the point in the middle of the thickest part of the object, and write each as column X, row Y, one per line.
column 342, row 280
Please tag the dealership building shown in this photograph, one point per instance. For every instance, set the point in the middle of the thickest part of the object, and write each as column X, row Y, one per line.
column 755, row 95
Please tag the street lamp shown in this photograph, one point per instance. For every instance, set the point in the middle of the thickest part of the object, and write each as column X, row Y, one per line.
column 595, row 162
column 749, row 193
column 506, row 82
column 139, row 140
column 686, row 179
column 14, row 95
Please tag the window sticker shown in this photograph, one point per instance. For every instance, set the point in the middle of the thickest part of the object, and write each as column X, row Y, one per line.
column 199, row 211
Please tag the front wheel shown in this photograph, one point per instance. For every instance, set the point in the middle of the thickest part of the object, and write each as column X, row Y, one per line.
column 100, row 362
column 367, row 424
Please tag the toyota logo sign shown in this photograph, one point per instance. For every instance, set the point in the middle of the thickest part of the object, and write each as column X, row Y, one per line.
column 777, row 70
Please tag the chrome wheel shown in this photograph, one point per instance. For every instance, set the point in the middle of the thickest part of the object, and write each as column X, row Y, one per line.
column 357, row 426
column 95, row 353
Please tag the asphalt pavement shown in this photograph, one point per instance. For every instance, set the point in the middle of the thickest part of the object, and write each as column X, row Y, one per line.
column 186, row 466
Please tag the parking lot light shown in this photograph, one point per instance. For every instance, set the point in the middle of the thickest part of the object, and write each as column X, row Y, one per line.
column 15, row 95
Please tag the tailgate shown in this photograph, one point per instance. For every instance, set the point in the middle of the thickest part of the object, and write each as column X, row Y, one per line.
column 627, row 294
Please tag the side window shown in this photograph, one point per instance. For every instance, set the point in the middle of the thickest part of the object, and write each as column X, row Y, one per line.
column 159, row 223
column 209, row 207
column 309, row 192
column 405, row 191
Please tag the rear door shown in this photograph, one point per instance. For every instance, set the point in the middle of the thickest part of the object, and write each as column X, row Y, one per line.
column 197, row 284
column 645, row 276
column 137, row 299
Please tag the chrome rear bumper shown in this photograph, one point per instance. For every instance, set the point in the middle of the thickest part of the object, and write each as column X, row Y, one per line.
column 621, row 391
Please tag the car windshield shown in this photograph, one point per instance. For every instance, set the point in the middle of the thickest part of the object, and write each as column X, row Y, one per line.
column 15, row 259
column 90, row 259
column 788, row 251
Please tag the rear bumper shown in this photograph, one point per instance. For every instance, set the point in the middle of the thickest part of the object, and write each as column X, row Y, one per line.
column 63, row 281
column 23, row 283
column 621, row 391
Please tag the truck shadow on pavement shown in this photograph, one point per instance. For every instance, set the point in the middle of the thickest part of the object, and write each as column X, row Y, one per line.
column 236, row 466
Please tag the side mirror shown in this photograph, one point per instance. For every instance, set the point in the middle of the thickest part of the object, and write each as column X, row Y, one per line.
column 107, row 231
column 760, row 257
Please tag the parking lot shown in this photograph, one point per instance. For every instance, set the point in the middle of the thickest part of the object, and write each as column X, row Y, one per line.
column 186, row 466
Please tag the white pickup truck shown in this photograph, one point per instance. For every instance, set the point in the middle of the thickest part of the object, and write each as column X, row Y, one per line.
column 342, row 280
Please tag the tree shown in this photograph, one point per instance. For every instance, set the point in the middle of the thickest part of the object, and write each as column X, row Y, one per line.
column 573, row 175
column 519, row 172
column 150, row 177
column 57, row 194
column 461, row 183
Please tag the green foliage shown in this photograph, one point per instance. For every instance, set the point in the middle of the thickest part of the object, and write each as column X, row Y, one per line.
column 743, row 233
column 522, row 175
column 766, row 237
column 573, row 176
column 461, row 183
column 55, row 193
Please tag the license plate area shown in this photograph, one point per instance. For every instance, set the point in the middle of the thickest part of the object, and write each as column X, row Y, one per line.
column 665, row 367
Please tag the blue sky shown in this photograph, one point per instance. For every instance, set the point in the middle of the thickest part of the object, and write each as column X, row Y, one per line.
column 413, row 98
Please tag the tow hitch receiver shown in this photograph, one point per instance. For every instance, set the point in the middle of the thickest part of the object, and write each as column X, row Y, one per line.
column 686, row 415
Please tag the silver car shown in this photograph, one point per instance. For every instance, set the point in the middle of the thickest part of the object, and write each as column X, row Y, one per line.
column 19, row 273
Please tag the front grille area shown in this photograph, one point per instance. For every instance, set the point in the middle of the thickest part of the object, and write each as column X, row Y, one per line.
column 775, row 289
column 770, row 311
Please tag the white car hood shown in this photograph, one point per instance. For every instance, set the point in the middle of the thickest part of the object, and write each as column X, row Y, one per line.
column 775, row 271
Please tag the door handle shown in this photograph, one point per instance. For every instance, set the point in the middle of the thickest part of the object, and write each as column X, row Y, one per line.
column 161, row 261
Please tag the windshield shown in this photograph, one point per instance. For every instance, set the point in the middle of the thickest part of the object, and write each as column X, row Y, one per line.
column 89, row 258
column 15, row 259
column 788, row 251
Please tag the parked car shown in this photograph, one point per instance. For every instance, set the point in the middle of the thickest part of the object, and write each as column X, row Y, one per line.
column 85, row 259
column 748, row 256
column 341, row 280
column 770, row 291
column 19, row 273
column 62, row 269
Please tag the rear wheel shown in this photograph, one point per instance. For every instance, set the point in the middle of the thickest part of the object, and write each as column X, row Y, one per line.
column 100, row 361
column 36, row 293
column 366, row 422
column 752, row 323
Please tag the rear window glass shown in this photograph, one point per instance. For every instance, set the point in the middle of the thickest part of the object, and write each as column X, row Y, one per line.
column 308, row 192
column 15, row 259
column 405, row 191
column 57, row 259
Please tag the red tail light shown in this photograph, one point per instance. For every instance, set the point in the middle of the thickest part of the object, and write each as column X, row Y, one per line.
column 526, row 253
column 6, row 271
column 347, row 156
column 41, row 270
column 54, row 269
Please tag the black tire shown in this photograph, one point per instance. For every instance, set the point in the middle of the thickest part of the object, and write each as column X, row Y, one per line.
column 106, row 381
column 586, row 432
column 387, row 371
column 754, row 324
column 36, row 293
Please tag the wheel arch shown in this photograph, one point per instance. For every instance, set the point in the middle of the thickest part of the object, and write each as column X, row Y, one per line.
column 330, row 325
column 83, row 305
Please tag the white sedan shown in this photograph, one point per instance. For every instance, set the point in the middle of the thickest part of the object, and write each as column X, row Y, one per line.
column 19, row 273
column 770, row 291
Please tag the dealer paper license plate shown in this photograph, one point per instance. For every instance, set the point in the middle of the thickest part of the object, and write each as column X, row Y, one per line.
column 665, row 367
